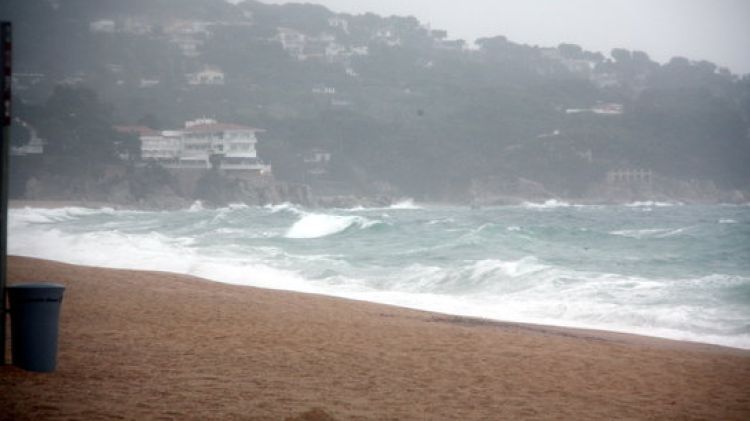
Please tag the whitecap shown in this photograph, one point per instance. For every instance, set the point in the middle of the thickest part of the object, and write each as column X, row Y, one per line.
column 315, row 225
column 549, row 204
column 406, row 204
column 652, row 204
column 197, row 206
column 286, row 206
column 649, row 233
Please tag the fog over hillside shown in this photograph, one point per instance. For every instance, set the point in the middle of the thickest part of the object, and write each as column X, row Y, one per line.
column 714, row 30
column 361, row 104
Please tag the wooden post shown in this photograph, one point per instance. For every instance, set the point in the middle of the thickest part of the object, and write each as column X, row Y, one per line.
column 5, row 38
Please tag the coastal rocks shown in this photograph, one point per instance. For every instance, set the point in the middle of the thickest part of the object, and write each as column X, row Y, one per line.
column 352, row 201
column 216, row 189
column 501, row 191
column 664, row 189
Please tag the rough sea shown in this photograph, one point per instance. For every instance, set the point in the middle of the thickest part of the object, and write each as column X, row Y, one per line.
column 658, row 269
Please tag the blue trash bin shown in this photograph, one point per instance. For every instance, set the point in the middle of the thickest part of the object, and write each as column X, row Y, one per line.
column 34, row 320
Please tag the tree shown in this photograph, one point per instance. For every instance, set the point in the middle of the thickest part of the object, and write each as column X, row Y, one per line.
column 571, row 51
column 76, row 123
column 621, row 55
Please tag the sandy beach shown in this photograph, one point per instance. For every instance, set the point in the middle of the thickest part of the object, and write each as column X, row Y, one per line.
column 146, row 345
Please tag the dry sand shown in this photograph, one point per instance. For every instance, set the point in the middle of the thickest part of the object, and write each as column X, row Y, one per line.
column 144, row 345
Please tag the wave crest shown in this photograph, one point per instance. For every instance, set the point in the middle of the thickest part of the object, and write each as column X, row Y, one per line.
column 315, row 225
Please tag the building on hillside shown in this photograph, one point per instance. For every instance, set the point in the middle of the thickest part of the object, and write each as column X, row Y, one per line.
column 211, row 76
column 605, row 80
column 321, row 89
column 189, row 36
column 148, row 83
column 317, row 156
column 388, row 37
column 293, row 42
column 232, row 145
column 608, row 108
column 450, row 45
column 35, row 146
column 106, row 26
column 202, row 144
column 630, row 176
column 339, row 22
column 317, row 162
column 26, row 81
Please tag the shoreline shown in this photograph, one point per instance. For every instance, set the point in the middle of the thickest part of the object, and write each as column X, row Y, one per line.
column 148, row 344
column 467, row 320
column 61, row 204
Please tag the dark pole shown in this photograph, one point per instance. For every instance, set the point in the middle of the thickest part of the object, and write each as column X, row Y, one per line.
column 5, row 34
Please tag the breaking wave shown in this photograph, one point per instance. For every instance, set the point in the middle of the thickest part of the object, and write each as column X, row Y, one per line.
column 605, row 268
column 321, row 225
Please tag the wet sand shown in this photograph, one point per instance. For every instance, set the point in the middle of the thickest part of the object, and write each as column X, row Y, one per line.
column 145, row 345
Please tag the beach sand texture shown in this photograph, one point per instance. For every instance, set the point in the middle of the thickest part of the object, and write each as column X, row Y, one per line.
column 146, row 345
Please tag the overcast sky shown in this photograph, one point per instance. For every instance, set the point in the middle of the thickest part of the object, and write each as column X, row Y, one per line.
column 714, row 30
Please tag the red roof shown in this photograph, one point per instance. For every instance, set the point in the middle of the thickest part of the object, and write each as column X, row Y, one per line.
column 140, row 130
column 219, row 127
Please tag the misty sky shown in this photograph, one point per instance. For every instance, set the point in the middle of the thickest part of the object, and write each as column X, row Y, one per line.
column 714, row 30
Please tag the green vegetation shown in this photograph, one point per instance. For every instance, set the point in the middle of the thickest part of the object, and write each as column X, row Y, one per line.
column 417, row 112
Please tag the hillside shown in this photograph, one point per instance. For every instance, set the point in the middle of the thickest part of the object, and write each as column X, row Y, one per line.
column 398, row 106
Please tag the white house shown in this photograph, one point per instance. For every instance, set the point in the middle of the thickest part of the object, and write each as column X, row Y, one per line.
column 323, row 90
column 293, row 42
column 233, row 145
column 35, row 145
column 317, row 156
column 317, row 161
column 339, row 22
column 208, row 76
column 103, row 26
column 201, row 143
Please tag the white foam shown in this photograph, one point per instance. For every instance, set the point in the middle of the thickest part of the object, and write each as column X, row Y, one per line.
column 315, row 225
column 406, row 204
column 549, row 204
column 197, row 206
column 649, row 233
column 286, row 206
column 525, row 289
column 652, row 204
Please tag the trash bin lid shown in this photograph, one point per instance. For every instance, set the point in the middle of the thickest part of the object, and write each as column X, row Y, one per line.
column 35, row 291
column 36, row 285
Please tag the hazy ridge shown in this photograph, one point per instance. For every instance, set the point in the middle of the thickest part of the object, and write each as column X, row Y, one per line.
column 402, row 108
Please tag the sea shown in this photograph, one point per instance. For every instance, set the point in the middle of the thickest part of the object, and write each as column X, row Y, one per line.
column 658, row 269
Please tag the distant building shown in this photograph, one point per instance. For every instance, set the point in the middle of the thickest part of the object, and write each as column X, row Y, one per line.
column 388, row 37
column 629, row 176
column 25, row 81
column 338, row 22
column 601, row 108
column 317, row 161
column 209, row 76
column 317, row 156
column 200, row 144
column 148, row 83
column 451, row 45
column 106, row 26
column 323, row 90
column 608, row 108
column 293, row 42
column 35, row 145
column 188, row 35
column 605, row 80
